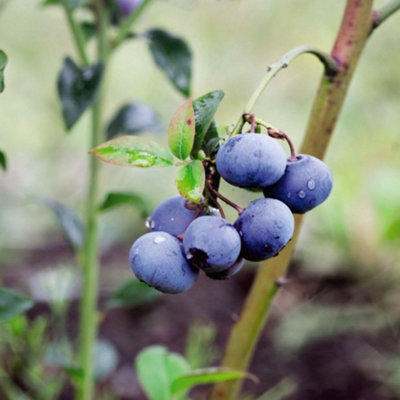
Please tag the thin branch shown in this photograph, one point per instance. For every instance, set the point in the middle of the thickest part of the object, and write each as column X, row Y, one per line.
column 273, row 132
column 223, row 198
column 77, row 33
column 383, row 13
column 331, row 69
column 128, row 23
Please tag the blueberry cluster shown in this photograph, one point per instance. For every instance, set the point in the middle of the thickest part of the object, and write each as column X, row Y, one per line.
column 187, row 237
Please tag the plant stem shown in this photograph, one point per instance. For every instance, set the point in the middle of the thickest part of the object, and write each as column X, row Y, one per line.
column 273, row 132
column 128, row 23
column 223, row 198
column 88, row 311
column 77, row 33
column 350, row 41
column 331, row 68
column 385, row 12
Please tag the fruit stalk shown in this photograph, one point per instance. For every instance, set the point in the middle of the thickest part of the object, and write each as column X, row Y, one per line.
column 331, row 68
column 223, row 198
column 385, row 12
column 76, row 31
column 128, row 23
column 350, row 41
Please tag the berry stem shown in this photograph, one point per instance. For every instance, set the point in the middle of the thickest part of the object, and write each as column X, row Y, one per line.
column 220, row 209
column 252, row 123
column 283, row 136
column 273, row 132
column 223, row 198
column 329, row 62
column 383, row 13
column 199, row 211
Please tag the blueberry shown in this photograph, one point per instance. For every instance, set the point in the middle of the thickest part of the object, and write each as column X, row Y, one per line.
column 251, row 160
column 306, row 183
column 211, row 244
column 173, row 215
column 265, row 227
column 126, row 7
column 157, row 259
column 227, row 273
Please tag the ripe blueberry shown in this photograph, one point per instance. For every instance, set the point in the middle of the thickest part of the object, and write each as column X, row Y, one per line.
column 305, row 184
column 173, row 215
column 251, row 160
column 265, row 227
column 227, row 273
column 156, row 258
column 211, row 244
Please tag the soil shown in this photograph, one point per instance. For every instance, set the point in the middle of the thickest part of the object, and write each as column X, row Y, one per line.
column 327, row 368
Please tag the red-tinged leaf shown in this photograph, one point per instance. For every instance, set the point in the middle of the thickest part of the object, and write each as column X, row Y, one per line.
column 133, row 151
column 190, row 181
column 181, row 131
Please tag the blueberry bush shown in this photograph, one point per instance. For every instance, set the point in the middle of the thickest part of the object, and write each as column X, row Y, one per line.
column 190, row 233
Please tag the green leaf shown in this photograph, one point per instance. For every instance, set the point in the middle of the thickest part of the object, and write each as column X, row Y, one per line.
column 12, row 304
column 157, row 369
column 181, row 131
column 71, row 225
column 206, row 376
column 3, row 160
column 133, row 118
column 190, row 181
column 133, row 151
column 3, row 63
column 78, row 89
column 131, row 294
column 205, row 108
column 116, row 199
column 173, row 56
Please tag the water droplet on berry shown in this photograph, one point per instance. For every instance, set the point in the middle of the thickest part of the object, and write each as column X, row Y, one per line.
column 301, row 194
column 311, row 184
column 213, row 211
column 150, row 224
column 159, row 239
column 289, row 195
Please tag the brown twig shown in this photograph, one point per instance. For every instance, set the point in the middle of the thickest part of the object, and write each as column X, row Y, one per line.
column 198, row 213
column 283, row 136
column 223, row 198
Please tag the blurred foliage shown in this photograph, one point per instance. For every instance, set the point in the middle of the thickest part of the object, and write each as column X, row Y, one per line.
column 131, row 294
column 23, row 373
column 12, row 304
column 200, row 349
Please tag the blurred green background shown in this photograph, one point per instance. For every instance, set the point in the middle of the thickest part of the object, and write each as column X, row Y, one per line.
column 233, row 42
column 355, row 232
